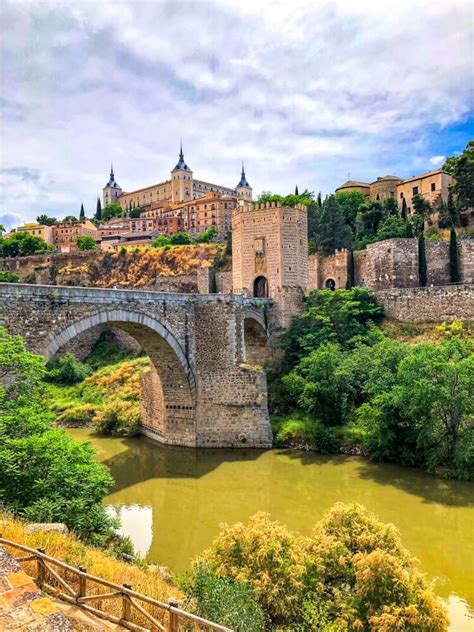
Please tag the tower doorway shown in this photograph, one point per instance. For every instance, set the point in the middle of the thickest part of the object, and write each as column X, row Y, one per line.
column 260, row 287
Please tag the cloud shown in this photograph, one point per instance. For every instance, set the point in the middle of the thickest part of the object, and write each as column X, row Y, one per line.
column 10, row 220
column 437, row 160
column 303, row 92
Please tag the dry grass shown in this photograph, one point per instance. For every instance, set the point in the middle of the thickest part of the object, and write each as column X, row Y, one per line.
column 72, row 551
column 415, row 333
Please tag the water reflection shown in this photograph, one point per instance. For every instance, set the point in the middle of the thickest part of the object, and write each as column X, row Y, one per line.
column 171, row 501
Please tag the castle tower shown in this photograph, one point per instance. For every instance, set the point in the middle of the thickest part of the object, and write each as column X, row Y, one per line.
column 111, row 192
column 243, row 189
column 181, row 180
column 270, row 254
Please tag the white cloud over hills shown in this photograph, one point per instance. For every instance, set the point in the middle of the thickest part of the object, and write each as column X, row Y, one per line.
column 303, row 92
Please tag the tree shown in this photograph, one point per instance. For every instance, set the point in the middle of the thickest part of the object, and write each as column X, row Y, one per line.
column 9, row 277
column 44, row 220
column 180, row 239
column 45, row 475
column 134, row 212
column 422, row 268
column 86, row 242
column 371, row 213
column 449, row 215
column 70, row 218
column 296, row 190
column 391, row 226
column 332, row 232
column 421, row 206
column 462, row 169
column 453, row 257
column 350, row 203
column 351, row 271
column 390, row 206
column 319, row 200
column 21, row 244
column 2, row 229
column 82, row 215
column 404, row 210
column 98, row 213
column 207, row 236
column 111, row 210
column 161, row 241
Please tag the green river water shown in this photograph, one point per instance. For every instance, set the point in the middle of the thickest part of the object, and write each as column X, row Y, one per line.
column 171, row 501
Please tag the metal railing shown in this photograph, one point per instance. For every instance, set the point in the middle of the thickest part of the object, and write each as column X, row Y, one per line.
column 137, row 611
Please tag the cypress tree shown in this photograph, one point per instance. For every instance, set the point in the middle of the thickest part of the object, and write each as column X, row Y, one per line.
column 350, row 283
column 296, row 190
column 331, row 231
column 404, row 211
column 453, row 256
column 422, row 268
column 98, row 213
column 82, row 215
column 319, row 200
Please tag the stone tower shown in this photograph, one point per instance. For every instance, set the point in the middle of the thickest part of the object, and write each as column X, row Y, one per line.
column 181, row 180
column 270, row 254
column 243, row 189
column 111, row 192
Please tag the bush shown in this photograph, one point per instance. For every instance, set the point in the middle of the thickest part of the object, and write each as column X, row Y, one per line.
column 230, row 602
column 86, row 243
column 68, row 370
column 9, row 277
column 77, row 416
column 180, row 239
column 118, row 419
column 160, row 241
column 351, row 574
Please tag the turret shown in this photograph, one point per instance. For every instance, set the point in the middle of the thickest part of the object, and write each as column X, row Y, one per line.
column 111, row 192
column 181, row 180
column 243, row 189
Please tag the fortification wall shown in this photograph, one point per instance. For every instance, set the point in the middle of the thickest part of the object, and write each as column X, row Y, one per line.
column 428, row 304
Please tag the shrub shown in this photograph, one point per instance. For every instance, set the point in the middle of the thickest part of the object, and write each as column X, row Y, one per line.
column 77, row 416
column 160, row 241
column 180, row 239
column 68, row 370
column 9, row 277
column 222, row 599
column 86, row 242
column 119, row 419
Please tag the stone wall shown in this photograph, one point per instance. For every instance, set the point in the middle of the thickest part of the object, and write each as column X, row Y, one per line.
column 428, row 304
column 224, row 282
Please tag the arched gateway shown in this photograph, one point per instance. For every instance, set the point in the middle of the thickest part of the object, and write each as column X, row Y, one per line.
column 198, row 391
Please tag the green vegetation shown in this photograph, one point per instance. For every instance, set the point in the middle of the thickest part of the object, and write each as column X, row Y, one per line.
column 453, row 257
column 9, row 277
column 183, row 239
column 109, row 211
column 351, row 573
column 45, row 220
column 82, row 215
column 408, row 403
column 462, row 169
column 21, row 244
column 86, row 243
column 45, row 476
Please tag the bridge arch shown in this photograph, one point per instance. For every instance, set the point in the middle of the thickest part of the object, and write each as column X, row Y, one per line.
column 256, row 343
column 168, row 389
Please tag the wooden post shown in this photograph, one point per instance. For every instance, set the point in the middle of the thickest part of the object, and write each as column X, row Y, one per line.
column 126, row 610
column 174, row 622
column 82, row 582
column 40, row 568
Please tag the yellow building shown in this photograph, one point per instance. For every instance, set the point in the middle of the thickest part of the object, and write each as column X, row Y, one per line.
column 38, row 230
column 353, row 185
column 432, row 186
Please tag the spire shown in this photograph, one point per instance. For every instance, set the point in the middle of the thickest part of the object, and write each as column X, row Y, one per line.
column 181, row 164
column 111, row 182
column 243, row 180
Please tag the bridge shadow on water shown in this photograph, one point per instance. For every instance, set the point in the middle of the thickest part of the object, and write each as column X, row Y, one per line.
column 144, row 459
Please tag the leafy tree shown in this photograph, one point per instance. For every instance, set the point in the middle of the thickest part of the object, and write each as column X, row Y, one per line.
column 350, row 203
column 332, row 233
column 391, row 226
column 70, row 218
column 2, row 229
column 45, row 476
column 422, row 268
column 462, row 169
column 415, row 225
column 134, row 213
column 86, row 242
column 343, row 316
column 44, row 220
column 82, row 215
column 449, row 215
column 110, row 211
column 453, row 257
column 371, row 213
column 207, row 236
column 180, row 239
column 390, row 206
column 98, row 212
column 67, row 370
column 21, row 244
column 421, row 206
column 160, row 241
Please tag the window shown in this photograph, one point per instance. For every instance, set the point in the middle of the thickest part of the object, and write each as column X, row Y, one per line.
column 433, row 186
column 415, row 191
column 401, row 195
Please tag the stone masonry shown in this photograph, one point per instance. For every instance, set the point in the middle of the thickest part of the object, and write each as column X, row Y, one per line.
column 196, row 392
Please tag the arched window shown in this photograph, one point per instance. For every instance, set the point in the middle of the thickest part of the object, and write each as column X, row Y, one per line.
column 260, row 287
column 330, row 284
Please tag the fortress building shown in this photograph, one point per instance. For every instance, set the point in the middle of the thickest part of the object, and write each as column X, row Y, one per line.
column 180, row 188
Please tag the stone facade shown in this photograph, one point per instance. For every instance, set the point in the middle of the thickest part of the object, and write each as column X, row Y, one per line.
column 196, row 392
column 270, row 254
column 428, row 304
column 392, row 263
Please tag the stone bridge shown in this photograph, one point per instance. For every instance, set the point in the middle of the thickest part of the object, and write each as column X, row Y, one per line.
column 202, row 388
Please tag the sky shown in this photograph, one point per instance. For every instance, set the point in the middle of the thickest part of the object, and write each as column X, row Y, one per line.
column 305, row 93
